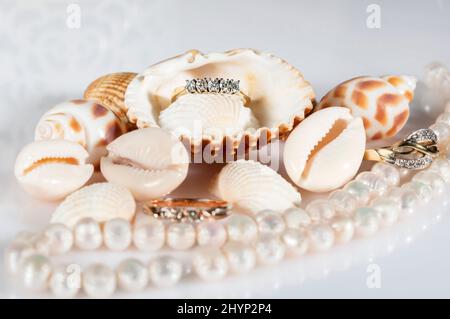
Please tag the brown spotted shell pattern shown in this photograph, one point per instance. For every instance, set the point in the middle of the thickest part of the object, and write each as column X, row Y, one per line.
column 381, row 102
column 87, row 123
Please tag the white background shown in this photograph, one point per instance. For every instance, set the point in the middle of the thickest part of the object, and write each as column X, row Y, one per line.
column 43, row 62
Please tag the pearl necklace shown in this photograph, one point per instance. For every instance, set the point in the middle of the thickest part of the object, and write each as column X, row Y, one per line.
column 372, row 201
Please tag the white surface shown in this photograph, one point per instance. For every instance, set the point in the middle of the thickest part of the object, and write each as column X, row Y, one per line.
column 43, row 62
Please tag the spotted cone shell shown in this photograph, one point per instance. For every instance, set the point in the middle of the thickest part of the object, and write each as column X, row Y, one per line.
column 381, row 102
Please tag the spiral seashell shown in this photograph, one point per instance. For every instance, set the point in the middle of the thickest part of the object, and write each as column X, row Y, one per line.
column 90, row 124
column 325, row 150
column 149, row 162
column 52, row 169
column 101, row 202
column 382, row 103
column 253, row 187
column 109, row 91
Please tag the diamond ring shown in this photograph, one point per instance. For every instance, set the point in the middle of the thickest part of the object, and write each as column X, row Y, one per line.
column 416, row 151
column 209, row 85
column 187, row 209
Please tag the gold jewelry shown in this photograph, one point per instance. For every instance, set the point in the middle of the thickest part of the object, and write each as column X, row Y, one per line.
column 416, row 151
column 187, row 209
column 208, row 85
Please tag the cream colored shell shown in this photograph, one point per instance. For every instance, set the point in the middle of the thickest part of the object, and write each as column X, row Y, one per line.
column 280, row 97
column 101, row 202
column 149, row 162
column 90, row 124
column 382, row 103
column 253, row 187
column 51, row 170
column 326, row 150
column 214, row 115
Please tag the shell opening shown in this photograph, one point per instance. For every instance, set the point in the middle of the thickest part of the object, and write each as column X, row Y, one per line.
column 336, row 129
column 51, row 160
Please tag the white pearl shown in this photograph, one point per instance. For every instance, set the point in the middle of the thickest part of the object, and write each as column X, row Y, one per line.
column 444, row 118
column 65, row 281
column 432, row 179
column 269, row 249
column 117, row 234
column 442, row 131
column 99, row 281
column 404, row 173
column 422, row 190
column 241, row 257
column 406, row 198
column 295, row 217
column 344, row 203
column 181, row 236
column 132, row 275
column 210, row 263
column 366, row 221
column 241, row 228
column 211, row 234
column 321, row 237
column 442, row 167
column 165, row 271
column 60, row 238
column 88, row 235
column 15, row 254
column 296, row 241
column 343, row 229
column 35, row 271
column 388, row 210
column 270, row 222
column 388, row 172
column 376, row 183
column 320, row 209
column 149, row 234
column 360, row 190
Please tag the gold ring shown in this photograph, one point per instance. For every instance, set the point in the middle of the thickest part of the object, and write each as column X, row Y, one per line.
column 187, row 209
column 416, row 151
column 208, row 85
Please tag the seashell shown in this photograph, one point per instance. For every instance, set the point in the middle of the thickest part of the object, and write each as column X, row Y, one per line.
column 101, row 202
column 215, row 115
column 90, row 124
column 52, row 169
column 149, row 162
column 279, row 101
column 109, row 91
column 382, row 103
column 326, row 150
column 254, row 187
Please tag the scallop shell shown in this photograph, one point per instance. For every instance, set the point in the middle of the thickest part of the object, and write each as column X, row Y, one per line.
column 109, row 90
column 101, row 201
column 253, row 187
column 326, row 150
column 52, row 169
column 149, row 162
column 215, row 115
column 90, row 124
column 382, row 103
column 279, row 101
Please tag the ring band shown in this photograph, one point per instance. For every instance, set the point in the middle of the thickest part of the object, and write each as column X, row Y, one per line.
column 187, row 209
column 209, row 85
column 416, row 151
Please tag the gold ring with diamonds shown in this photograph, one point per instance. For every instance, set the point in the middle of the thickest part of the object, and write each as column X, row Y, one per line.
column 416, row 151
column 187, row 209
column 209, row 85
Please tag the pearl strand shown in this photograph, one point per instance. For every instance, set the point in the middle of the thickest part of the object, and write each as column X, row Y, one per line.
column 371, row 202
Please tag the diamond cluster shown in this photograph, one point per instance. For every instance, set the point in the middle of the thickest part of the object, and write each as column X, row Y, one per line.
column 185, row 214
column 422, row 135
column 209, row 85
column 419, row 163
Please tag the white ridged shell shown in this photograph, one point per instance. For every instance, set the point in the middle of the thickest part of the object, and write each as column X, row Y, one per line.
column 325, row 151
column 254, row 187
column 101, row 201
column 215, row 115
